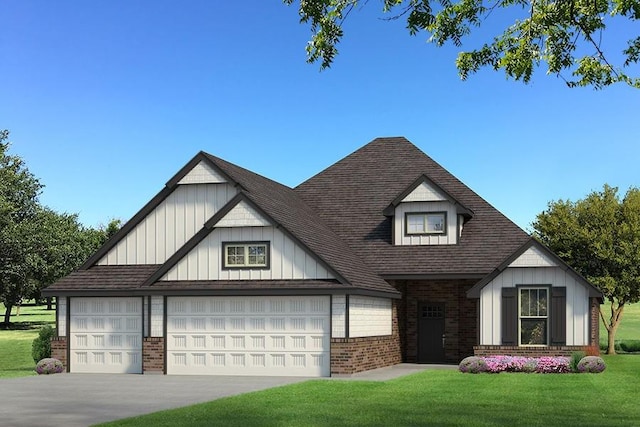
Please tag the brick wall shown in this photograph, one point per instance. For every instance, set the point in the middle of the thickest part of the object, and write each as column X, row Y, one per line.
column 59, row 350
column 504, row 350
column 594, row 328
column 153, row 355
column 461, row 316
column 351, row 355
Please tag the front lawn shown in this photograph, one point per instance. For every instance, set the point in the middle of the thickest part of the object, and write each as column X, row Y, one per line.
column 15, row 344
column 437, row 398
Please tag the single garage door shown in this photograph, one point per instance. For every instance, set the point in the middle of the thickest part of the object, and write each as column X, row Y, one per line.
column 106, row 335
column 286, row 336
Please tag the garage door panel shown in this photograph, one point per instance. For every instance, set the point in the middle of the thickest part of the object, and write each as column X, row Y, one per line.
column 248, row 335
column 106, row 335
column 248, row 363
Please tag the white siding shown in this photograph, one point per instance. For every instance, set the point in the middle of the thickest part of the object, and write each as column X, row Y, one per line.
column 533, row 257
column 287, row 259
column 170, row 224
column 450, row 238
column 157, row 316
column 369, row 317
column 243, row 215
column 61, row 309
column 202, row 173
column 425, row 193
column 338, row 316
column 577, row 302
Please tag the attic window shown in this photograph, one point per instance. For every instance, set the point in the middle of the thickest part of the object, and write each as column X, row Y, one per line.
column 245, row 254
column 425, row 223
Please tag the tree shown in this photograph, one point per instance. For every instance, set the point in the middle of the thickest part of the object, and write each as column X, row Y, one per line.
column 567, row 35
column 19, row 191
column 599, row 236
column 37, row 245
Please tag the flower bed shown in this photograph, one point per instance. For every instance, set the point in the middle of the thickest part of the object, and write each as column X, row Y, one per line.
column 497, row 364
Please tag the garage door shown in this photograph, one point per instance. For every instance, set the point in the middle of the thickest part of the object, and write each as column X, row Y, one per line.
column 106, row 335
column 286, row 336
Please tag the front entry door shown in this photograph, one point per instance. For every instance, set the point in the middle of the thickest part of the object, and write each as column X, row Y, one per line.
column 431, row 336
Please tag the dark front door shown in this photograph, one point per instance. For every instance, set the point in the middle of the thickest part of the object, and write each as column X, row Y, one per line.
column 431, row 337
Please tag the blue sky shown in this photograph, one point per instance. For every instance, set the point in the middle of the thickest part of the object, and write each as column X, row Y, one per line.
column 107, row 100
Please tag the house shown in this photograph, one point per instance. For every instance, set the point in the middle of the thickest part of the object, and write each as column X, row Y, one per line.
column 384, row 257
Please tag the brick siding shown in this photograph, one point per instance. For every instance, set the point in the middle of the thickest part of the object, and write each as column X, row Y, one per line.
column 351, row 355
column 461, row 316
column 153, row 355
column 59, row 350
column 594, row 338
column 506, row 350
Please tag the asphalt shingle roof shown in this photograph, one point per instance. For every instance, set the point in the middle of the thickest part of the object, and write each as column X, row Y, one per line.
column 351, row 195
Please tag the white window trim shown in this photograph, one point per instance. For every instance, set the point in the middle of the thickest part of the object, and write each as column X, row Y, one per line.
column 425, row 215
column 245, row 245
column 547, row 317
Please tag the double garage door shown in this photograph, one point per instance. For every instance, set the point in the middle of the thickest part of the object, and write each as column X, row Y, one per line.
column 287, row 336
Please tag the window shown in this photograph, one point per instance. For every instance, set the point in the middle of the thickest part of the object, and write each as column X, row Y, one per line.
column 246, row 254
column 426, row 223
column 533, row 316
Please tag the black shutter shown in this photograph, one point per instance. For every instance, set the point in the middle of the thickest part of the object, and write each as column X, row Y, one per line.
column 509, row 316
column 558, row 316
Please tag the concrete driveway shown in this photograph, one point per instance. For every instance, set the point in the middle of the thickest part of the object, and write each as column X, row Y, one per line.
column 85, row 399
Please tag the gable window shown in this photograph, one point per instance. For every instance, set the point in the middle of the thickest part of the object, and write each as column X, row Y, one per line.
column 533, row 316
column 426, row 223
column 245, row 254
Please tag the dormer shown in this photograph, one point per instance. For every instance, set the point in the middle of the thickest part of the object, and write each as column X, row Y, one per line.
column 425, row 214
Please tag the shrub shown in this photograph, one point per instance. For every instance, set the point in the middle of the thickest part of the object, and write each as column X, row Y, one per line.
column 576, row 357
column 41, row 347
column 553, row 365
column 591, row 364
column 497, row 364
column 630, row 346
column 49, row 366
column 472, row 365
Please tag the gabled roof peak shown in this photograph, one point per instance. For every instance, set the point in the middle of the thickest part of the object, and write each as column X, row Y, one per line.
column 424, row 179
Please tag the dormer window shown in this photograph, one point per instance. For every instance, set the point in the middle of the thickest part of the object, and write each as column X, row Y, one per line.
column 425, row 223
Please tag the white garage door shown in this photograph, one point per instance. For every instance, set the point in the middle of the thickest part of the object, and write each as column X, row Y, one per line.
column 106, row 335
column 286, row 336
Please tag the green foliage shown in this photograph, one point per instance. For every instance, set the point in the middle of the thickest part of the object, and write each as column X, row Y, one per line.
column 566, row 35
column 41, row 347
column 576, row 357
column 37, row 245
column 599, row 236
column 630, row 346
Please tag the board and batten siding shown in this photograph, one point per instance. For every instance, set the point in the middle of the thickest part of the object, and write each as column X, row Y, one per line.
column 450, row 238
column 338, row 316
column 61, row 312
column 369, row 316
column 577, row 310
column 180, row 216
column 288, row 260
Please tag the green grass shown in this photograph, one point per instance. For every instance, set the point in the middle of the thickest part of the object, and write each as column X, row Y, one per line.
column 438, row 398
column 15, row 344
column 630, row 325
